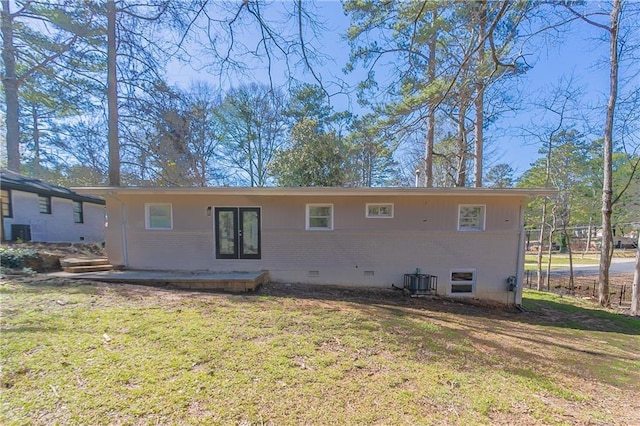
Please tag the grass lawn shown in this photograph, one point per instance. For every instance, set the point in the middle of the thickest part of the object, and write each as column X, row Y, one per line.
column 88, row 353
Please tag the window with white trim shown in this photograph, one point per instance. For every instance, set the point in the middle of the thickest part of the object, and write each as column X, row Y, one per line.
column 384, row 210
column 471, row 217
column 462, row 281
column 319, row 217
column 158, row 216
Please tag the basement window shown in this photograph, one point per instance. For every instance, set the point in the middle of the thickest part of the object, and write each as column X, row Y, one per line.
column 462, row 281
column 158, row 216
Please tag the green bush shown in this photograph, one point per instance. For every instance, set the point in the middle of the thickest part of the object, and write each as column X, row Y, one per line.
column 14, row 257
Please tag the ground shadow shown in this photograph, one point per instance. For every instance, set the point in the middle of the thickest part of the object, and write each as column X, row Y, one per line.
column 538, row 311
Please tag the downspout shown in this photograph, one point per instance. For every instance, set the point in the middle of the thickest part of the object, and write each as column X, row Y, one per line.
column 520, row 262
column 123, row 228
column 123, row 231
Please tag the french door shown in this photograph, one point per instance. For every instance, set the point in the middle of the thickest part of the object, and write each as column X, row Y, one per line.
column 237, row 232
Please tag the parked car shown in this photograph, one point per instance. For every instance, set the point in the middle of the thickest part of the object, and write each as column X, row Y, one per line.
column 535, row 246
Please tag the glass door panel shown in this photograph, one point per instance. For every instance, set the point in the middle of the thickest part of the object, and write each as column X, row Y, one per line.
column 250, row 233
column 226, row 233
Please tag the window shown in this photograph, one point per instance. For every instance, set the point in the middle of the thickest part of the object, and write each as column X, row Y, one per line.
column 7, row 209
column 78, row 213
column 44, row 201
column 471, row 218
column 462, row 280
column 380, row 210
column 319, row 217
column 158, row 216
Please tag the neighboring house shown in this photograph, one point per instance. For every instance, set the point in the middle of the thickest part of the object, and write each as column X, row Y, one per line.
column 472, row 239
column 34, row 210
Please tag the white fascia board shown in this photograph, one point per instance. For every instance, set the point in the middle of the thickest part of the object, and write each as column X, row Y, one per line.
column 311, row 191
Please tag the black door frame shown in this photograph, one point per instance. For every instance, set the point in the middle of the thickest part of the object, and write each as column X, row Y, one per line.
column 238, row 231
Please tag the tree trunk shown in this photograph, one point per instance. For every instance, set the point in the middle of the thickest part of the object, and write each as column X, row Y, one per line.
column 541, row 240
column 10, row 83
column 567, row 238
column 552, row 230
column 635, row 291
column 112, row 97
column 36, row 141
column 461, row 175
column 607, row 182
column 431, row 118
column 588, row 243
column 479, row 148
column 479, row 101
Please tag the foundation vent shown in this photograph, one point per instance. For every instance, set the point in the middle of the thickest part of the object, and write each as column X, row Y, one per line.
column 368, row 273
column 313, row 273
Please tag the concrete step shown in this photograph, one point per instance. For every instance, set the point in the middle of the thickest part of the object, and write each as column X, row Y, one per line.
column 87, row 268
column 83, row 261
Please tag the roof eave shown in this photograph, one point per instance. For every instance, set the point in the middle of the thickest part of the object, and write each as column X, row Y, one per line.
column 317, row 191
column 87, row 198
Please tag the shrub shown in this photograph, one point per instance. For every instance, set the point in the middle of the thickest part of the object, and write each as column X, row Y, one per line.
column 14, row 257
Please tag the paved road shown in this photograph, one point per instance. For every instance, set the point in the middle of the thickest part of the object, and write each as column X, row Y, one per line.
column 618, row 266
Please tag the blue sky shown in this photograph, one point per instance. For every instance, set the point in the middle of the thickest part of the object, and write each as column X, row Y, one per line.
column 577, row 54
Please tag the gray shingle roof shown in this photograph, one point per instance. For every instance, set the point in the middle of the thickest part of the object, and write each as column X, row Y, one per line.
column 18, row 182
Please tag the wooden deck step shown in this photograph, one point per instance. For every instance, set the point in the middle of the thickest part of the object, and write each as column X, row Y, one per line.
column 87, row 268
column 85, row 264
column 83, row 261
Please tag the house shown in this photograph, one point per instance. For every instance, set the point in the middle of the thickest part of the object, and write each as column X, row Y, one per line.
column 34, row 210
column 472, row 239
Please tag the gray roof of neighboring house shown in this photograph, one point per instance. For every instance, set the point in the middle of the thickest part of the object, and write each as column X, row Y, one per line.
column 18, row 182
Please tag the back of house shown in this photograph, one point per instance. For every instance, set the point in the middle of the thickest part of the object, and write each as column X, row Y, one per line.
column 471, row 239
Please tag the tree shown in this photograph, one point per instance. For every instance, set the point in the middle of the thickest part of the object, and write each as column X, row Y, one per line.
column 617, row 45
column 253, row 124
column 87, row 161
column 11, row 83
column 372, row 155
column 44, row 41
column 166, row 147
column 500, row 176
column 179, row 141
column 314, row 158
column 240, row 37
column 433, row 53
column 48, row 106
column 326, row 147
column 450, row 161
column 566, row 157
column 555, row 119
column 135, row 50
column 606, row 247
column 309, row 102
column 112, row 95
column 635, row 291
